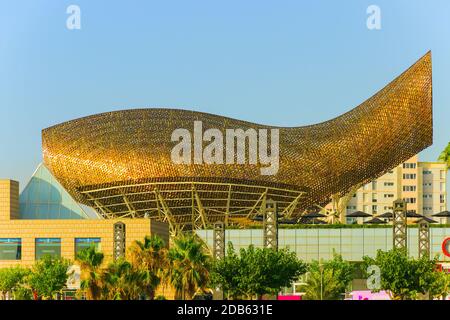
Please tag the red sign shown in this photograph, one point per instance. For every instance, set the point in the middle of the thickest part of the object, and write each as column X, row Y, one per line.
column 446, row 246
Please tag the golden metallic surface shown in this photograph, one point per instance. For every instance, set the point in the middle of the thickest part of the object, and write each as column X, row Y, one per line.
column 118, row 161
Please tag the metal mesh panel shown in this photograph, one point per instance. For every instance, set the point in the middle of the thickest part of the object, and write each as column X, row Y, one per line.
column 117, row 162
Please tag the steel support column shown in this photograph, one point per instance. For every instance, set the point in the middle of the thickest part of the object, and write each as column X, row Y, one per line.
column 270, row 224
column 219, row 240
column 399, row 225
column 119, row 240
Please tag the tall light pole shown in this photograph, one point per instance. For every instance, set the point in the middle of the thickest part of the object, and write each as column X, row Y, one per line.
column 321, row 280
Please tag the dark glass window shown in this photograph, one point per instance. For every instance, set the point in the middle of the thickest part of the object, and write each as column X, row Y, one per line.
column 10, row 248
column 48, row 246
column 83, row 243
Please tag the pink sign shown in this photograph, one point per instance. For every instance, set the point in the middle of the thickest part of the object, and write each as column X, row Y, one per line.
column 290, row 297
column 368, row 295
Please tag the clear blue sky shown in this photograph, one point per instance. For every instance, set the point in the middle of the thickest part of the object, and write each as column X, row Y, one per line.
column 285, row 63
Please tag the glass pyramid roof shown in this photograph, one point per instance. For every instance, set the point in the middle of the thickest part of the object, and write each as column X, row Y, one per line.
column 45, row 198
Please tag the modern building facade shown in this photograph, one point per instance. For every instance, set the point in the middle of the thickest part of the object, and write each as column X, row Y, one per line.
column 421, row 184
column 24, row 240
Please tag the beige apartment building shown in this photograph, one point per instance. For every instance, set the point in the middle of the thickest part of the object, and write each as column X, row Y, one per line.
column 421, row 184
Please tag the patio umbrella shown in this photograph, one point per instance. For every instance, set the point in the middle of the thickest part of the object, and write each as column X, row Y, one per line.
column 426, row 219
column 358, row 214
column 375, row 221
column 412, row 214
column 442, row 214
column 287, row 221
column 388, row 215
column 314, row 215
column 317, row 221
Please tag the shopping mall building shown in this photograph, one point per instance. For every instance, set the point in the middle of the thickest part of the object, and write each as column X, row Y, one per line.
column 109, row 179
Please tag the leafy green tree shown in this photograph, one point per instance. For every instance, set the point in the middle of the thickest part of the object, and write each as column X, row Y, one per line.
column 189, row 264
column 90, row 261
column 150, row 258
column 23, row 292
column 445, row 155
column 48, row 276
column 403, row 277
column 226, row 274
column 328, row 280
column 12, row 280
column 440, row 287
column 255, row 271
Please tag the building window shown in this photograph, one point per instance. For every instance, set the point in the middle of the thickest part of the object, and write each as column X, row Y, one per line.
column 426, row 172
column 374, row 208
column 409, row 188
column 442, row 198
column 428, row 196
column 427, row 208
column 427, row 184
column 48, row 246
column 409, row 165
column 10, row 248
column 409, row 176
column 374, row 185
column 388, row 195
column 84, row 243
column 391, row 171
column 410, row 200
column 388, row 184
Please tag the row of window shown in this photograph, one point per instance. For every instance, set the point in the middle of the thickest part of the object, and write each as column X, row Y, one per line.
column 409, row 188
column 442, row 173
column 410, row 200
column 11, row 248
column 409, row 176
column 409, row 165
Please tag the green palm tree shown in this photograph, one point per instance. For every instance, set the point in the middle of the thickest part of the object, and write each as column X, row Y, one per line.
column 90, row 261
column 122, row 281
column 150, row 258
column 189, row 262
column 445, row 156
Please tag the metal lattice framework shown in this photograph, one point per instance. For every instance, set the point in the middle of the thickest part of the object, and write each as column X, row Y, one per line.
column 120, row 162
column 219, row 241
column 399, row 225
column 270, row 225
column 119, row 240
column 424, row 239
